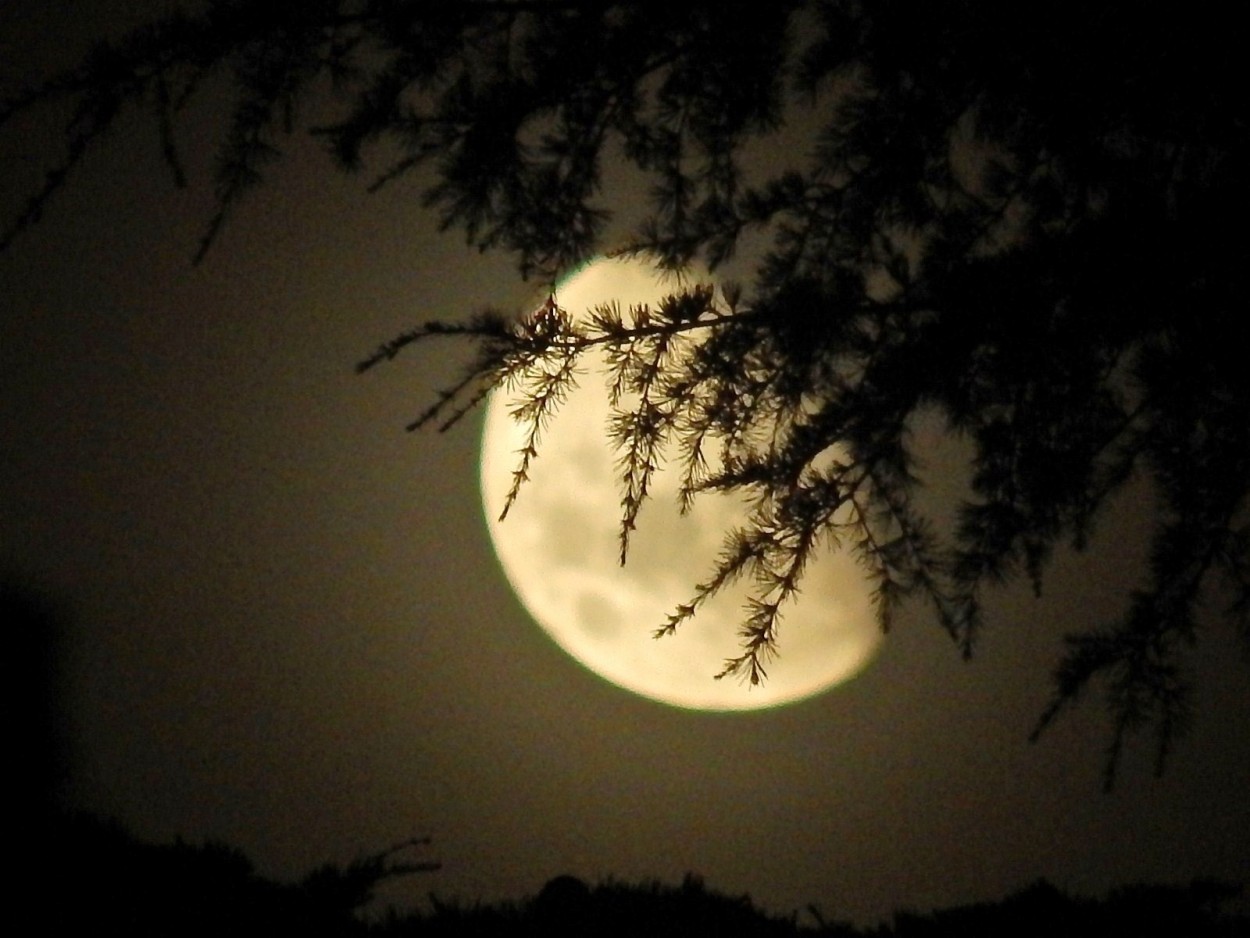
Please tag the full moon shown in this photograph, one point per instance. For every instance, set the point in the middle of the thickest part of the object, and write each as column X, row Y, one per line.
column 559, row 548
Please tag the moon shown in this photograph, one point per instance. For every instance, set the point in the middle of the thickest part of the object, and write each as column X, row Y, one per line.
column 559, row 549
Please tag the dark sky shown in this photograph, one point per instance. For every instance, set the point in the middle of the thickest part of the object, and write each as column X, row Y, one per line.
column 285, row 627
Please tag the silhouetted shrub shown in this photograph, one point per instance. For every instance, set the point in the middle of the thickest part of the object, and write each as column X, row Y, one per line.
column 102, row 881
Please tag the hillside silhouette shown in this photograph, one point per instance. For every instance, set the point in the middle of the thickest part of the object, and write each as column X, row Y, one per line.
column 110, row 882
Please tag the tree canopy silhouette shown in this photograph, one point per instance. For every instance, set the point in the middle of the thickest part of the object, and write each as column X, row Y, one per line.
column 1027, row 223
column 118, row 882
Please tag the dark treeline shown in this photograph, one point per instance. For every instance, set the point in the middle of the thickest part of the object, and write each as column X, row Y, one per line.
column 108, row 882
column 111, row 883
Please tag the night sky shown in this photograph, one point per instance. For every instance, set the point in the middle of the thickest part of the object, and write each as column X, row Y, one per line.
column 283, row 625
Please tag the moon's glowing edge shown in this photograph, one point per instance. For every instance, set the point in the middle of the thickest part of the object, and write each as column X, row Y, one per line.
column 558, row 550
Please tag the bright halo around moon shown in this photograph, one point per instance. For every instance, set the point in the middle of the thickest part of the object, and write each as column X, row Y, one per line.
column 559, row 548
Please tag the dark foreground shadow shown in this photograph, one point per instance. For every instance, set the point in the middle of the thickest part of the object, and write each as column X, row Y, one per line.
column 102, row 881
column 98, row 879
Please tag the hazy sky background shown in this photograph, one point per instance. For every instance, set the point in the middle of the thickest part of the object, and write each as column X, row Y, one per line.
column 287, row 629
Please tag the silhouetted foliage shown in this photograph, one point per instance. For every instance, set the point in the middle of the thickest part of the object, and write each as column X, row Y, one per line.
column 569, row 906
column 1041, row 910
column 108, row 882
column 1027, row 223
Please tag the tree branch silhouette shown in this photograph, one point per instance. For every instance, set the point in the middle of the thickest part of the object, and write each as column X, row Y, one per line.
column 1029, row 223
